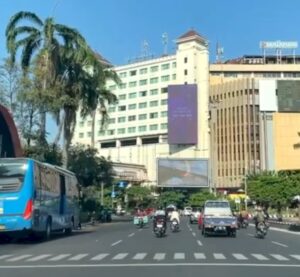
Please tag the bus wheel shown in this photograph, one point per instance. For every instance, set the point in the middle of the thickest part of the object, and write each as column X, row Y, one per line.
column 47, row 233
column 68, row 231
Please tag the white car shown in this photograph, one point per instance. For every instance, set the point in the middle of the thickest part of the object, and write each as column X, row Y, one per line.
column 187, row 211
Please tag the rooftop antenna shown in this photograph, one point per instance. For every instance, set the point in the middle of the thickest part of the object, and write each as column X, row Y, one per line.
column 165, row 43
column 145, row 48
column 220, row 52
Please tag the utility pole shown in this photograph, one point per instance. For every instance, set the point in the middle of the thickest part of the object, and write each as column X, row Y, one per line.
column 102, row 193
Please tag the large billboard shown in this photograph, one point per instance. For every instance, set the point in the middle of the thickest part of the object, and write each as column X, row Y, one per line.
column 182, row 172
column 267, row 96
column 288, row 95
column 182, row 114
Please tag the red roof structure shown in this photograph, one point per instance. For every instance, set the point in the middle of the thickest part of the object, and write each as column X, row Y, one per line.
column 10, row 145
column 192, row 35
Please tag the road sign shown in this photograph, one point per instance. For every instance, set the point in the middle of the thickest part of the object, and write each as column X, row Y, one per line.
column 122, row 184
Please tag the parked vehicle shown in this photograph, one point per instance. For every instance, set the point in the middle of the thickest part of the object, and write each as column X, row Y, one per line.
column 218, row 218
column 37, row 198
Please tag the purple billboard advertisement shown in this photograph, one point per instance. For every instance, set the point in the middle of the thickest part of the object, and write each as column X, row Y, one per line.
column 182, row 114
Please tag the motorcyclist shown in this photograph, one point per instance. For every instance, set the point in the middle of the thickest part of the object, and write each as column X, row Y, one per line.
column 160, row 214
column 175, row 216
column 260, row 217
column 243, row 215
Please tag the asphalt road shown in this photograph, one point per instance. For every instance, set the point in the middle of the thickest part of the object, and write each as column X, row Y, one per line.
column 120, row 249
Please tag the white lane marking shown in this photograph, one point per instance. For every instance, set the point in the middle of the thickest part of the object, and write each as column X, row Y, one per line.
column 117, row 242
column 99, row 257
column 251, row 235
column 239, row 256
column 15, row 259
column 297, row 257
column 159, row 256
column 194, row 234
column 4, row 257
column 78, row 257
column 131, row 235
column 120, row 256
column 140, row 230
column 59, row 257
column 199, row 243
column 139, row 256
column 179, row 256
column 152, row 265
column 279, row 257
column 38, row 258
column 199, row 256
column 260, row 257
column 280, row 244
column 219, row 256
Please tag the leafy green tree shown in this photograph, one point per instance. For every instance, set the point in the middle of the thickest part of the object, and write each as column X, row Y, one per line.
column 139, row 196
column 42, row 40
column 171, row 197
column 198, row 199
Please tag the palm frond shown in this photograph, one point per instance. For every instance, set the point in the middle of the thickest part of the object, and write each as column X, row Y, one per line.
column 29, row 48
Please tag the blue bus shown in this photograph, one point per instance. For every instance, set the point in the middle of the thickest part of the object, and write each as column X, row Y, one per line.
column 37, row 198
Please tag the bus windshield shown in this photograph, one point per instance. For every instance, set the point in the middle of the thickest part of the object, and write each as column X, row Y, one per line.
column 12, row 175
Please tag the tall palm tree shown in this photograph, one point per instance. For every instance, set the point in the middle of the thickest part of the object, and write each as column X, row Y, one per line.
column 43, row 40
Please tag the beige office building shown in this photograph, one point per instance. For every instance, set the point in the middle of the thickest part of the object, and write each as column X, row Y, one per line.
column 248, row 131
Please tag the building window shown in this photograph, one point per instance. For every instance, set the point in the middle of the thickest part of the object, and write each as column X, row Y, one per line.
column 132, row 84
column 153, row 103
column 164, row 90
column 143, row 93
column 112, row 87
column 143, row 82
column 110, row 132
column 101, row 133
column 123, row 74
column 154, row 80
column 132, row 73
column 230, row 74
column 89, row 134
column 143, row 70
column 272, row 75
column 122, row 86
column 153, row 127
column 111, row 120
column 185, row 59
column 174, row 76
column 143, row 128
column 142, row 116
column 165, row 66
column 164, row 102
column 143, row 105
column 164, row 114
column 121, row 119
column 153, row 91
column 164, row 126
column 122, row 108
column 153, row 68
column 111, row 109
column 174, row 64
column 131, row 118
column 81, row 135
column 89, row 123
column 165, row 78
column 153, row 115
column 122, row 96
column 81, row 123
column 131, row 129
column 121, row 131
column 132, row 106
column 132, row 95
column 185, row 72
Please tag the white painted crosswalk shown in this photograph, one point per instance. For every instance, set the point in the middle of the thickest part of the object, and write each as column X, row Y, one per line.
column 149, row 257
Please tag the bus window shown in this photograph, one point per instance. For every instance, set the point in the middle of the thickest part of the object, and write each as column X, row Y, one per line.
column 62, row 194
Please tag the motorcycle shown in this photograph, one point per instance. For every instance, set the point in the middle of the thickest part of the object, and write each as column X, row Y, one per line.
column 139, row 221
column 261, row 230
column 174, row 226
column 159, row 228
column 243, row 224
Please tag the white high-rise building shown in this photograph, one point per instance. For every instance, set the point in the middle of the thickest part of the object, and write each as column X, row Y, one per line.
column 137, row 132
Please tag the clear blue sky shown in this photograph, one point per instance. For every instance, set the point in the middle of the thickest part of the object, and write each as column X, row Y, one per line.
column 117, row 28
